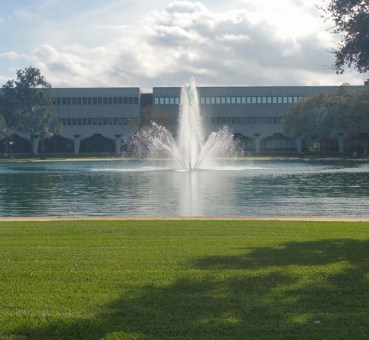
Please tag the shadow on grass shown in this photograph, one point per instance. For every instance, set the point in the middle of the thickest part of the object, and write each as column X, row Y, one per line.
column 304, row 290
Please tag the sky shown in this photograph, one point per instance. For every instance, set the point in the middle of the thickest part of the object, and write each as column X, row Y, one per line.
column 146, row 43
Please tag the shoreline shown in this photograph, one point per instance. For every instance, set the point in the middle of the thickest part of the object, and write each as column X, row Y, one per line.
column 186, row 218
column 112, row 159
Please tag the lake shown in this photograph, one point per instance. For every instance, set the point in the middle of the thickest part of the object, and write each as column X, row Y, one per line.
column 156, row 188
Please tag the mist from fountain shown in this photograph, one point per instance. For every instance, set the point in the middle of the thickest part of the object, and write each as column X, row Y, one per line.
column 191, row 150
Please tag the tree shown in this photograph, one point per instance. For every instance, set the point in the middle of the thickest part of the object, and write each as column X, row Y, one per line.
column 351, row 111
column 351, row 19
column 28, row 105
column 344, row 112
column 309, row 117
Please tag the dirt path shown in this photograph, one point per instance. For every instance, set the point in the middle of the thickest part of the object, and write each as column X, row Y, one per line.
column 246, row 218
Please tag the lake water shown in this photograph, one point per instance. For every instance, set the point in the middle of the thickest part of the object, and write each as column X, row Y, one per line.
column 156, row 188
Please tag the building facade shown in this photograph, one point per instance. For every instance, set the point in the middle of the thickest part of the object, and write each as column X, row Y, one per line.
column 253, row 114
column 99, row 119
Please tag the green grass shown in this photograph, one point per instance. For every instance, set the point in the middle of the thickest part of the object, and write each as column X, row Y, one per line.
column 184, row 280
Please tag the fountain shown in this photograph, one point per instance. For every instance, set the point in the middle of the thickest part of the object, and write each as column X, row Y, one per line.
column 191, row 150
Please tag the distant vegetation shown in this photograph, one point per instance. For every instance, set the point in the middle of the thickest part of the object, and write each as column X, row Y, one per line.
column 343, row 113
column 26, row 107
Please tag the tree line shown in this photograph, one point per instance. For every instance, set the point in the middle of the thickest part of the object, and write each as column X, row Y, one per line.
column 343, row 113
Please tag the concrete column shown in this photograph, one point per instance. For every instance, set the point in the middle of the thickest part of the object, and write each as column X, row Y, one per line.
column 341, row 144
column 299, row 145
column 76, row 144
column 257, row 142
column 118, row 145
column 35, row 145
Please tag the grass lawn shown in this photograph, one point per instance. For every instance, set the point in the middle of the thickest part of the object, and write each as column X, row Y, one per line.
column 184, row 280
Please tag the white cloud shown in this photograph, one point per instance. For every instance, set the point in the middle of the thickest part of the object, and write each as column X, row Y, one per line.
column 12, row 55
column 233, row 47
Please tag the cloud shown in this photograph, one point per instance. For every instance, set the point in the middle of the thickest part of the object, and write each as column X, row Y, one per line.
column 12, row 55
column 186, row 38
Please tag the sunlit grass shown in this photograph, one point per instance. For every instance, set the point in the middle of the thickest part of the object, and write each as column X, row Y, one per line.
column 184, row 279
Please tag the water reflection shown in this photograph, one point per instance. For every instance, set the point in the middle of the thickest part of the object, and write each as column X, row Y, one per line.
column 236, row 188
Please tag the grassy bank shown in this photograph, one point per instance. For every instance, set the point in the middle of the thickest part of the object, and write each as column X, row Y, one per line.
column 184, row 279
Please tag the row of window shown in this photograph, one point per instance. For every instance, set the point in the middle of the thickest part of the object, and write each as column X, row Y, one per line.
column 247, row 120
column 98, row 121
column 132, row 121
column 95, row 100
column 249, row 100
column 232, row 100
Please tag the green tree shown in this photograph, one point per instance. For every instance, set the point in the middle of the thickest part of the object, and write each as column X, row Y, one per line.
column 351, row 111
column 344, row 112
column 28, row 105
column 309, row 117
column 351, row 20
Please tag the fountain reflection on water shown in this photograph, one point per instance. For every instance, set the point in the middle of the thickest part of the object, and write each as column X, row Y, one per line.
column 191, row 150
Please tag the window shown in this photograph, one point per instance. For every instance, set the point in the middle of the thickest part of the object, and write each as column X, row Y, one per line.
column 259, row 100
column 125, row 100
column 130, row 100
column 269, row 100
column 94, row 100
column 156, row 100
column 89, row 100
column 275, row 100
column 110, row 100
column 253, row 100
column 223, row 100
column 135, row 100
column 248, row 100
column 290, row 100
column 176, row 100
column 84, row 101
column 166, row 101
column 228, row 100
column 233, row 100
column 161, row 100
column 217, row 99
column 171, row 100
column 238, row 100
column 243, row 100
column 212, row 100
column 279, row 100
column 264, row 100
column 202, row 100
column 99, row 101
column 285, row 100
column 115, row 100
column 207, row 100
column 105, row 100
